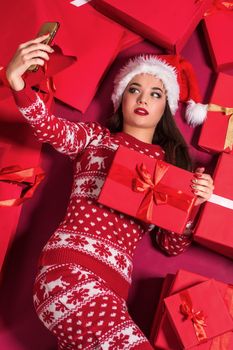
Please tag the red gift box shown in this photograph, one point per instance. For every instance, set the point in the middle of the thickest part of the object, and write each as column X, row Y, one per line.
column 84, row 33
column 164, row 336
column 218, row 28
column 166, row 24
column 18, row 146
column 214, row 227
column 198, row 314
column 217, row 133
column 155, row 190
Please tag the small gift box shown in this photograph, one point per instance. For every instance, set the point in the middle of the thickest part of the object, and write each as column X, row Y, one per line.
column 168, row 25
column 218, row 28
column 163, row 335
column 217, row 131
column 198, row 314
column 214, row 228
column 155, row 190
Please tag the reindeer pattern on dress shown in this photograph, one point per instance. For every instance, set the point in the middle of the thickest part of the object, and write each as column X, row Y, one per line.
column 94, row 160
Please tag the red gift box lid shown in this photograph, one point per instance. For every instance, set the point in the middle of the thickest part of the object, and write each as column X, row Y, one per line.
column 198, row 314
column 166, row 24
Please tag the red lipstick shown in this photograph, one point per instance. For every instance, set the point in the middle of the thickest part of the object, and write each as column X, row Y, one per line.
column 141, row 111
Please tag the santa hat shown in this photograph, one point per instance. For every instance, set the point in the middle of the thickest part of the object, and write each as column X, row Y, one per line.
column 178, row 78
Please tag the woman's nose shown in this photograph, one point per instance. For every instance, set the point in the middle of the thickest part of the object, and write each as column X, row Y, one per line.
column 141, row 100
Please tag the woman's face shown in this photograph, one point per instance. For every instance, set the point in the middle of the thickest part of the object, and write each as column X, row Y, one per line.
column 143, row 101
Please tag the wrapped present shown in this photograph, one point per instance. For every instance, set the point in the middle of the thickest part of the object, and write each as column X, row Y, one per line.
column 214, row 227
column 155, row 190
column 84, row 33
column 165, row 337
column 217, row 131
column 168, row 25
column 43, row 78
column 198, row 314
column 218, row 27
column 18, row 146
column 129, row 39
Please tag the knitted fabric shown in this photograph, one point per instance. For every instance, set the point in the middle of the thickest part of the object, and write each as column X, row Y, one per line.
column 92, row 235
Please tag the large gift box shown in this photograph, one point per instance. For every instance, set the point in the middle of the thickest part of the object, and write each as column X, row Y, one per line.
column 163, row 335
column 155, row 190
column 217, row 130
column 198, row 314
column 166, row 24
column 214, row 227
column 84, row 33
column 218, row 28
column 18, row 149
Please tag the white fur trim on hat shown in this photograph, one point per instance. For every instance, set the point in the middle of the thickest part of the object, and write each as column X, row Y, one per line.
column 151, row 65
column 195, row 113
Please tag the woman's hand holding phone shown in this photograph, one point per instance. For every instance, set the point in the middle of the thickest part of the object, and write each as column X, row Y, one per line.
column 33, row 52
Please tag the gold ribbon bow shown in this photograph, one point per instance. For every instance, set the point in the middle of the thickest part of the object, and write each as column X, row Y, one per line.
column 227, row 111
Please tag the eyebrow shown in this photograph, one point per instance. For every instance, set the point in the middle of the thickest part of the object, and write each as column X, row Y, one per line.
column 153, row 88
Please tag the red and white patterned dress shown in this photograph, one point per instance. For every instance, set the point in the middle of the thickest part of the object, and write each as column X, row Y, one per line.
column 85, row 268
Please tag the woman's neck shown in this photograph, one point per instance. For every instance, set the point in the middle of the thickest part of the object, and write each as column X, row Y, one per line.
column 144, row 135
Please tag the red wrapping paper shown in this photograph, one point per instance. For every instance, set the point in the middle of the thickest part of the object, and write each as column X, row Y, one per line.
column 18, row 146
column 172, row 196
column 84, row 33
column 168, row 24
column 214, row 228
column 164, row 336
column 214, row 130
column 218, row 28
column 207, row 314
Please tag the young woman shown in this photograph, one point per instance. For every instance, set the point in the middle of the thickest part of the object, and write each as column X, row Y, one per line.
column 85, row 268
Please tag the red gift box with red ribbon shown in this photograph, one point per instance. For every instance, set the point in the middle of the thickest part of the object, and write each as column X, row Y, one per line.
column 164, row 336
column 198, row 314
column 19, row 158
column 167, row 24
column 218, row 28
column 217, row 131
column 155, row 190
column 214, row 227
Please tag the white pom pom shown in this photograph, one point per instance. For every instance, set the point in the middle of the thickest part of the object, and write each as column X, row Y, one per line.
column 196, row 113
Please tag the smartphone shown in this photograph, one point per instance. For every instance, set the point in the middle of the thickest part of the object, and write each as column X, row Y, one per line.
column 47, row 27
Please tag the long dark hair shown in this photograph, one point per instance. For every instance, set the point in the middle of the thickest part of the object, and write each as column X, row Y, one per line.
column 166, row 134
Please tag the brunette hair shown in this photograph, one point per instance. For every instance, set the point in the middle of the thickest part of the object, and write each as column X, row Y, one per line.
column 166, row 134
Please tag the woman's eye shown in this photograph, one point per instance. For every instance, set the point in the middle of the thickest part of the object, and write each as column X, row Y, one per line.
column 132, row 90
column 156, row 94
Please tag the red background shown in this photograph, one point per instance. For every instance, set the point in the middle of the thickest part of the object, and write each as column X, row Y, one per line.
column 20, row 329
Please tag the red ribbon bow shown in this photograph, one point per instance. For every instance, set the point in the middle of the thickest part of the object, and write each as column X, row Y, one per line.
column 157, row 193
column 16, row 175
column 197, row 317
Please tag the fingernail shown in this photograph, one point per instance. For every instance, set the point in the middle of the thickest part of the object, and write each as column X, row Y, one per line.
column 198, row 175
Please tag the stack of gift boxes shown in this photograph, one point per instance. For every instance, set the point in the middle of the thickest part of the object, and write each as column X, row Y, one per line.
column 194, row 312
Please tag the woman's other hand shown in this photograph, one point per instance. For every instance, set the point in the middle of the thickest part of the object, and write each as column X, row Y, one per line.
column 202, row 185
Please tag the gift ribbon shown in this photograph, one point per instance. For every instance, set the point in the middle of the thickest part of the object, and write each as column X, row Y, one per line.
column 156, row 193
column 51, row 88
column 223, row 341
column 197, row 317
column 227, row 111
column 16, row 175
column 222, row 201
column 219, row 5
